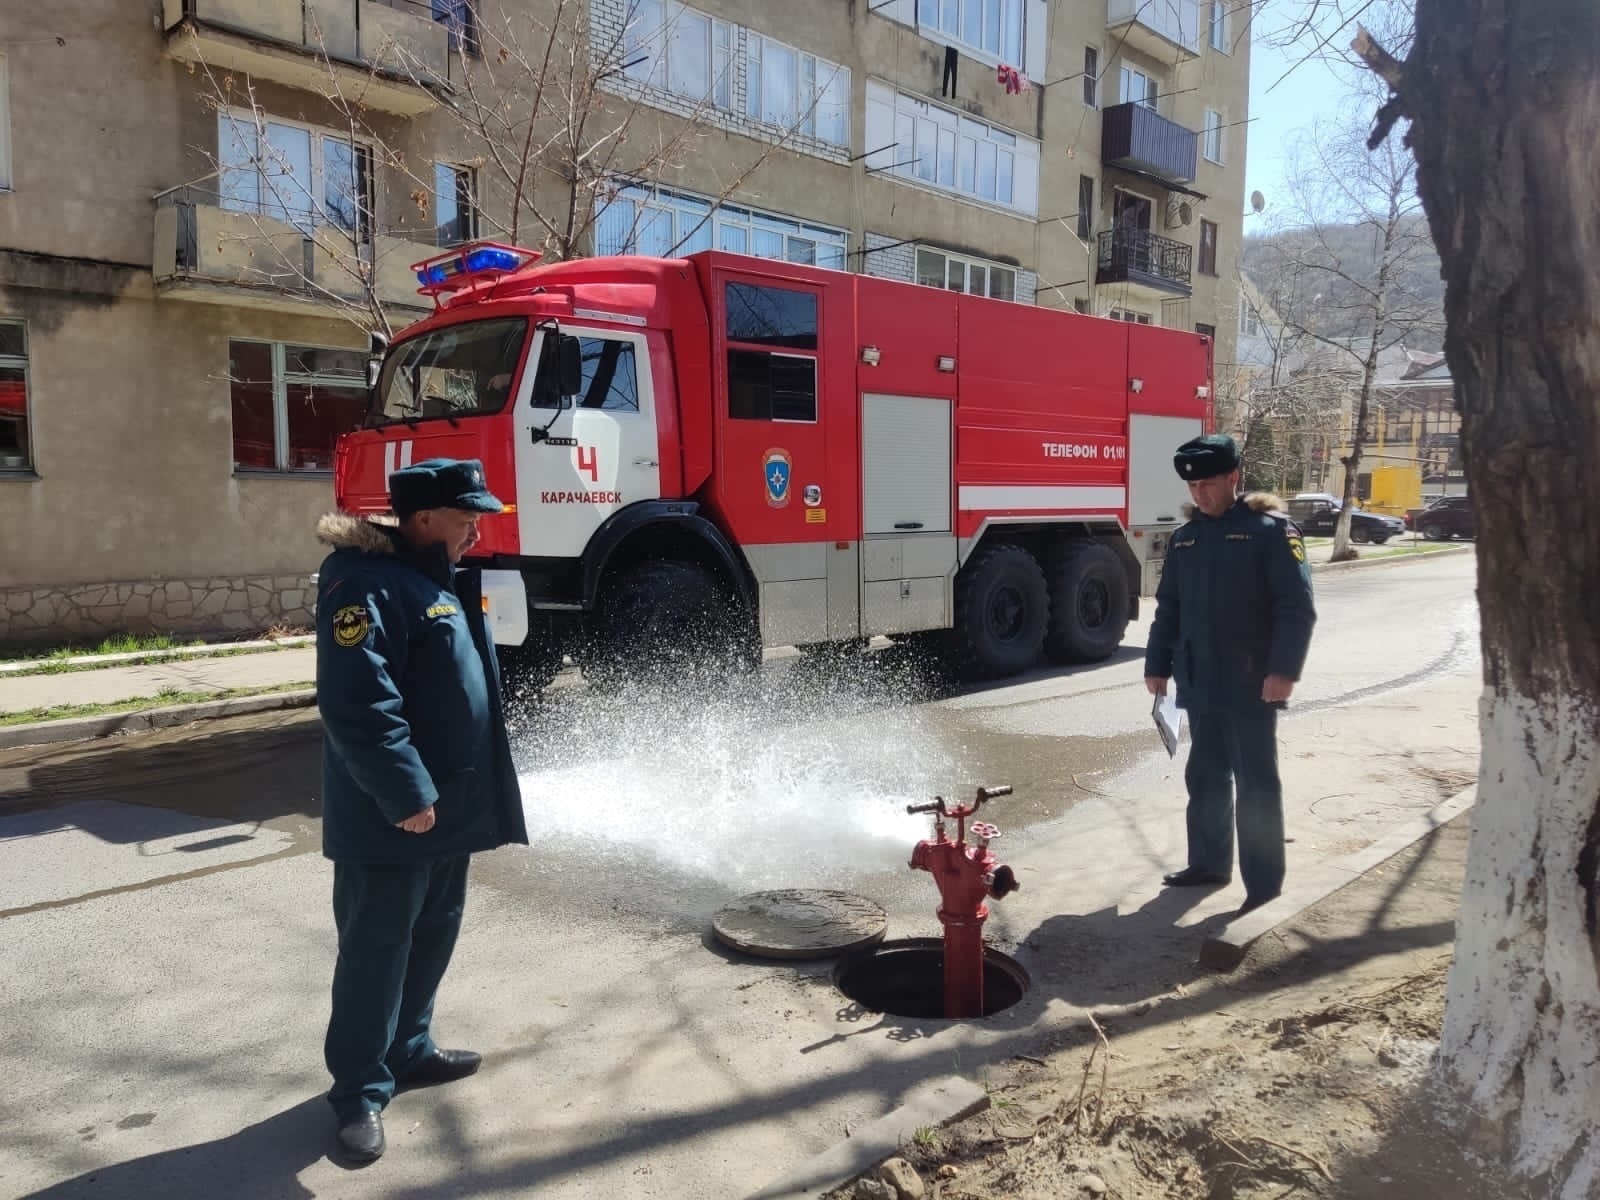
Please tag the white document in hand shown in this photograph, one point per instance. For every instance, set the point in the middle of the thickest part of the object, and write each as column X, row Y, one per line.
column 1169, row 720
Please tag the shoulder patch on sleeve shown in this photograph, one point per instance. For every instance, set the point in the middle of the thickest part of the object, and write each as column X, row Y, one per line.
column 1297, row 546
column 351, row 624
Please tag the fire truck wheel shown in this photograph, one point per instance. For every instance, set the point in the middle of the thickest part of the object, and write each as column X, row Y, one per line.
column 1088, row 603
column 1002, row 605
column 664, row 621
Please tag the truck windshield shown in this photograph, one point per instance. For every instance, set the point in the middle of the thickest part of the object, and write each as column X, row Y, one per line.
column 459, row 371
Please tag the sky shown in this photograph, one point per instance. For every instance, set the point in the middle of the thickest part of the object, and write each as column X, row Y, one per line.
column 1278, row 113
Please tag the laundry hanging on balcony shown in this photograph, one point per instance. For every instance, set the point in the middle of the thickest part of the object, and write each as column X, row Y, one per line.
column 1013, row 80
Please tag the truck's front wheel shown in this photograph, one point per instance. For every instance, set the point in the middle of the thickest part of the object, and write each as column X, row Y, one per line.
column 1001, row 609
column 664, row 622
column 1088, row 603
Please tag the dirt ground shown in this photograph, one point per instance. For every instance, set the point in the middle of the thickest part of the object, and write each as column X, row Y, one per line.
column 1305, row 1073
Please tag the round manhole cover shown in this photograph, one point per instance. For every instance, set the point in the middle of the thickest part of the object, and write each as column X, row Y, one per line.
column 800, row 923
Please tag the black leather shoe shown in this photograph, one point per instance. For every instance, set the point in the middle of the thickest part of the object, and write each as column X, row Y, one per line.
column 442, row 1066
column 361, row 1138
column 1195, row 877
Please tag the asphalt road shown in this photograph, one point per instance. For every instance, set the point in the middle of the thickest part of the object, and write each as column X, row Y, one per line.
column 167, row 941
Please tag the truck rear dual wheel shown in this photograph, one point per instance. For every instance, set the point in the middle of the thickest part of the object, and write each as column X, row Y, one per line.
column 1088, row 603
column 1002, row 608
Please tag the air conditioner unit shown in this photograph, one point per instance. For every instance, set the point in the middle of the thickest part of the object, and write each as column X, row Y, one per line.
column 1179, row 213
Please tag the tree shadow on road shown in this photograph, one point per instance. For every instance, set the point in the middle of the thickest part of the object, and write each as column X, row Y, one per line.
column 260, row 1162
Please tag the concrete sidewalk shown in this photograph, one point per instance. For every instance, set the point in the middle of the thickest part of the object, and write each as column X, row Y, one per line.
column 112, row 685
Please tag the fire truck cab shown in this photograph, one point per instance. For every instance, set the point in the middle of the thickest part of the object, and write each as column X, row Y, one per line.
column 724, row 453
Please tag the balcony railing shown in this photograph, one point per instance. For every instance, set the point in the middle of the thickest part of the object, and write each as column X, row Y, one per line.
column 1138, row 256
column 1166, row 29
column 1136, row 137
column 394, row 53
column 208, row 250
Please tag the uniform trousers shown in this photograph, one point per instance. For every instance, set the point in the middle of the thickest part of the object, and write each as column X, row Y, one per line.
column 1233, row 768
column 397, row 927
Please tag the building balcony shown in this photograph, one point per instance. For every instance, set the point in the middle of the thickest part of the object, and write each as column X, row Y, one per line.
column 1134, row 137
column 1141, row 259
column 1168, row 30
column 390, row 57
column 211, row 254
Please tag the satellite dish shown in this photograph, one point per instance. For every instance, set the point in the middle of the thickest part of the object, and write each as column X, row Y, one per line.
column 1257, row 202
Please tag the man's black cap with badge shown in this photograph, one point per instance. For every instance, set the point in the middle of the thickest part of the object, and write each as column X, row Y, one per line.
column 1206, row 457
column 442, row 483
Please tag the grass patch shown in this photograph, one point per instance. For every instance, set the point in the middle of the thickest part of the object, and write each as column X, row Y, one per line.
column 163, row 699
column 116, row 643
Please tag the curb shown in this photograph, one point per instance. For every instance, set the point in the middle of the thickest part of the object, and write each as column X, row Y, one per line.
column 144, row 720
column 935, row 1103
column 1229, row 948
column 1390, row 559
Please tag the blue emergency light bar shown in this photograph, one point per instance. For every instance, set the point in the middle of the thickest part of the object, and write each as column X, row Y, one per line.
column 470, row 264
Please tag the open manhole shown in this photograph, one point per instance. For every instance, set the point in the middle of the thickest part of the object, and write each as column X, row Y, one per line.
column 905, row 978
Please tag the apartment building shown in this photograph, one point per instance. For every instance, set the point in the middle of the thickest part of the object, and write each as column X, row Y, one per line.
column 205, row 205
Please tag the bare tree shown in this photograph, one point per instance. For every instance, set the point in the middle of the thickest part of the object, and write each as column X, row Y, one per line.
column 1502, row 103
column 561, row 114
column 1338, row 185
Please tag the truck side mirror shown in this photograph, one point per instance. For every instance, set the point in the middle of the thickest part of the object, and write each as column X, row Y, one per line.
column 377, row 347
column 569, row 365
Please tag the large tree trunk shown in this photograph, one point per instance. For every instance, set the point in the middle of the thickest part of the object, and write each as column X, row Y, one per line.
column 1505, row 101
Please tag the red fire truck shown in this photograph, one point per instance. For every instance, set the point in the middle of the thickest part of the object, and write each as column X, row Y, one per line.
column 723, row 451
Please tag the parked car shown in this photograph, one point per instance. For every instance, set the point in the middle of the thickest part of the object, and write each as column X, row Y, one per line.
column 1447, row 517
column 1317, row 513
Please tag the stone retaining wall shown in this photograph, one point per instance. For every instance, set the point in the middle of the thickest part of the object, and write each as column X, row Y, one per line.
column 200, row 607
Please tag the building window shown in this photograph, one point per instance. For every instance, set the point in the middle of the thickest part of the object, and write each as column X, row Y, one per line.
column 950, row 151
column 1208, row 247
column 1249, row 321
column 16, row 452
column 1219, row 26
column 794, row 90
column 1085, row 207
column 5, row 125
column 1139, row 88
column 663, row 224
column 677, row 49
column 455, row 205
column 1212, row 138
column 291, row 403
column 1091, row 76
column 459, row 15
column 1205, row 330
column 993, row 26
column 937, row 269
column 1128, row 315
column 302, row 176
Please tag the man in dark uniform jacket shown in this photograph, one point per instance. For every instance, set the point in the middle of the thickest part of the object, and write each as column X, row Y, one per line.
column 1232, row 627
column 417, row 776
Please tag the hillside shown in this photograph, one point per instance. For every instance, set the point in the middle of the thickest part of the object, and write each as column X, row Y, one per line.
column 1301, row 272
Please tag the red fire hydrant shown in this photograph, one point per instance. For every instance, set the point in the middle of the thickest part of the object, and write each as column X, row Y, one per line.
column 967, row 876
